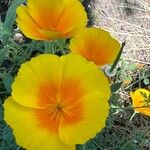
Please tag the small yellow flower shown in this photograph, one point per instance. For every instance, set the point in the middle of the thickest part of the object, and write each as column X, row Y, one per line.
column 141, row 101
column 96, row 45
column 57, row 102
column 51, row 19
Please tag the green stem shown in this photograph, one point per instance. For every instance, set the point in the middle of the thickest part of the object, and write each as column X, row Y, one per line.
column 59, row 45
column 129, row 107
column 48, row 47
column 117, row 59
column 137, row 81
column 84, row 147
column 132, row 116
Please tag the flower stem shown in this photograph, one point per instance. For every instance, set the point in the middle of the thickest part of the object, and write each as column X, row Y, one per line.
column 129, row 107
column 59, row 45
column 48, row 47
column 117, row 59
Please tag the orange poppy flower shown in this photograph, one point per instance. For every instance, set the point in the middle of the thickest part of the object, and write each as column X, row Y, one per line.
column 141, row 101
column 96, row 45
column 57, row 103
column 51, row 19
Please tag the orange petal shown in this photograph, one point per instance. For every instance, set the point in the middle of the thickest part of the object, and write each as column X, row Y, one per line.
column 46, row 13
column 27, row 24
column 72, row 20
column 96, row 45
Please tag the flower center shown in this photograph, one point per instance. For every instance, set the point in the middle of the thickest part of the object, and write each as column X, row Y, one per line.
column 55, row 111
column 62, row 105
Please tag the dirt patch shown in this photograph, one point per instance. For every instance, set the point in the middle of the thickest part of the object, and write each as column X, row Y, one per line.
column 127, row 20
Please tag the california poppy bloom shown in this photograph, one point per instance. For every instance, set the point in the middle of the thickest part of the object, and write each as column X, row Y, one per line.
column 96, row 45
column 141, row 101
column 51, row 19
column 57, row 103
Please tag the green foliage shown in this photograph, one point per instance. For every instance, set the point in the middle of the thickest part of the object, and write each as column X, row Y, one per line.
column 115, row 87
column 146, row 81
column 10, row 19
column 7, row 140
column 119, row 134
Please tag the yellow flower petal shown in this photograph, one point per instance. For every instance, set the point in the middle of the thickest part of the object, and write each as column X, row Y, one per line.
column 27, row 25
column 32, row 75
column 96, row 45
column 46, row 13
column 65, row 92
column 73, row 20
column 92, row 78
column 138, row 100
column 94, row 82
column 93, row 120
column 27, row 130
column 50, row 20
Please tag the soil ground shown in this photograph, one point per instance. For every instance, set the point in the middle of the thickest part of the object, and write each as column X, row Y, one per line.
column 127, row 20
